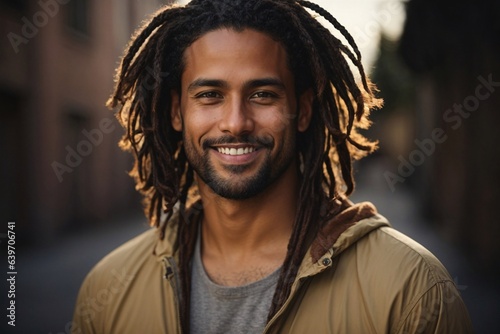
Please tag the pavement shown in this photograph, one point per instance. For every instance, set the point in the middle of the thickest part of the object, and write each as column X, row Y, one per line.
column 49, row 277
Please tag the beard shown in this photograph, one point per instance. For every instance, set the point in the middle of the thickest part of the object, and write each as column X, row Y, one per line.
column 237, row 186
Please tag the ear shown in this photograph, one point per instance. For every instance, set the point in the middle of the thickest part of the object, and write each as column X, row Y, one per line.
column 175, row 114
column 305, row 110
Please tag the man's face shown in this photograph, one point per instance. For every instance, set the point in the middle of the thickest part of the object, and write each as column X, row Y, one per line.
column 238, row 111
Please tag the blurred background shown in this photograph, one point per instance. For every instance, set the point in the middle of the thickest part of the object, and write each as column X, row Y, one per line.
column 64, row 180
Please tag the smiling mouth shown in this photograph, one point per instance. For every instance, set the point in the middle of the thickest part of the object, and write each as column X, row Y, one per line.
column 236, row 151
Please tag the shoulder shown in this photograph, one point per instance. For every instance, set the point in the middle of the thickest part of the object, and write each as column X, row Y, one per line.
column 409, row 284
column 393, row 249
column 121, row 264
column 388, row 262
column 110, row 281
column 381, row 281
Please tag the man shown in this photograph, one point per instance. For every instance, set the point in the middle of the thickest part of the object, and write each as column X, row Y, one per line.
column 243, row 151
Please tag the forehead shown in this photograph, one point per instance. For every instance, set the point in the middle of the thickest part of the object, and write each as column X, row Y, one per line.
column 228, row 54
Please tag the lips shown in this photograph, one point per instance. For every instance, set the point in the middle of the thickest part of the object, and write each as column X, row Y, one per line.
column 236, row 154
column 231, row 150
column 235, row 151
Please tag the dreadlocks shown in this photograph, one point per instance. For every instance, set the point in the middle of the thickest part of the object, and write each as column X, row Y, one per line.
column 318, row 61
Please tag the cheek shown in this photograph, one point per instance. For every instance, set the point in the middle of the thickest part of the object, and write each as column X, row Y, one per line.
column 197, row 123
column 279, row 121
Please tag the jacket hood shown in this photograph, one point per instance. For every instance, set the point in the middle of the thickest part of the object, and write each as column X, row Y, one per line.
column 353, row 222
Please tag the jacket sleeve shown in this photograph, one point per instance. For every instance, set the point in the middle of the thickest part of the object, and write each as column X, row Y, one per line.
column 438, row 310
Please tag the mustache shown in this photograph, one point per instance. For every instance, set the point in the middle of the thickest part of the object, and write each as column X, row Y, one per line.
column 264, row 141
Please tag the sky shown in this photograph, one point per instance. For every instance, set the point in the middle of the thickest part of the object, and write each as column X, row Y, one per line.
column 364, row 19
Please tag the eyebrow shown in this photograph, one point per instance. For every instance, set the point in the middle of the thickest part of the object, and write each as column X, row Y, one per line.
column 265, row 82
column 203, row 82
column 206, row 83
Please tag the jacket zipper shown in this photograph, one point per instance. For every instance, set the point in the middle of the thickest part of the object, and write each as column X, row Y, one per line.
column 171, row 274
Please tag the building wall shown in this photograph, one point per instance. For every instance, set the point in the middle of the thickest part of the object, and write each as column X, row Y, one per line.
column 56, row 74
column 453, row 51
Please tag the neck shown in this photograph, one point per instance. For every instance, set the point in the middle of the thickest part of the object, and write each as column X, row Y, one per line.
column 258, row 227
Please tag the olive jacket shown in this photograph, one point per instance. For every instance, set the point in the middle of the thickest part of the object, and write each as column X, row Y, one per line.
column 358, row 276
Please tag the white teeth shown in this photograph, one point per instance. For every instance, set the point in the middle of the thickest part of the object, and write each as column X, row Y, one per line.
column 234, row 151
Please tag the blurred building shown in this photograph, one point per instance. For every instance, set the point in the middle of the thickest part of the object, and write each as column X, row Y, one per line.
column 61, row 166
column 453, row 49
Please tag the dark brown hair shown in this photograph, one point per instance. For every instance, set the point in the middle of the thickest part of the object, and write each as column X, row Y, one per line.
column 152, row 68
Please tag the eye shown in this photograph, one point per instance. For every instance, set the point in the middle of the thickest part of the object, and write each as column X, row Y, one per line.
column 263, row 95
column 209, row 95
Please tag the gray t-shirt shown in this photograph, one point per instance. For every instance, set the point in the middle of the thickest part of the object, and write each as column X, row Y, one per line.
column 220, row 309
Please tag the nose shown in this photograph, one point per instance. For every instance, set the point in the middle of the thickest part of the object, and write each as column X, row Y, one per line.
column 236, row 119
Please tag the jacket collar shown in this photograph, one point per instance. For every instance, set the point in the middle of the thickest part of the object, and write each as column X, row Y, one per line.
column 168, row 246
column 332, row 233
column 344, row 229
column 339, row 233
